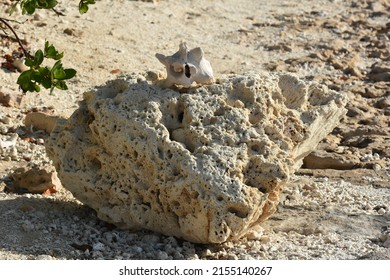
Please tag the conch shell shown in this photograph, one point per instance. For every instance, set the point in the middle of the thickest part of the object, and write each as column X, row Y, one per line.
column 186, row 67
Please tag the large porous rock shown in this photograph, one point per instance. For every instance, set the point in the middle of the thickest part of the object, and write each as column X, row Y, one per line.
column 206, row 164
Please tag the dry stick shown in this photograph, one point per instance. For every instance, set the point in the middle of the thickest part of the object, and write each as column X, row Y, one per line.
column 26, row 53
column 58, row 13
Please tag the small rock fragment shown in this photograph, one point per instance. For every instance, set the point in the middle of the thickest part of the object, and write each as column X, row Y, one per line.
column 383, row 102
column 2, row 186
column 73, row 32
column 8, row 144
column 35, row 179
column 98, row 246
column 10, row 98
column 255, row 233
column 27, row 226
column 40, row 121
column 320, row 159
column 19, row 64
column 380, row 72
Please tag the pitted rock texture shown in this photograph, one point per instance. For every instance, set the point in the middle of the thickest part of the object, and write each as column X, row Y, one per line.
column 206, row 165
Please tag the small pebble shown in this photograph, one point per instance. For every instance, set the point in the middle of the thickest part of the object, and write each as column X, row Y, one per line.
column 38, row 16
column 265, row 239
column 98, row 246
column 5, row 120
column 384, row 237
column 254, row 235
column 161, row 255
column 108, row 236
column 27, row 226
column 232, row 257
column 19, row 64
column 178, row 256
column 97, row 255
column 376, row 167
column 151, row 239
column 207, row 253
column 40, row 214
column 137, row 249
column 238, row 104
column 44, row 257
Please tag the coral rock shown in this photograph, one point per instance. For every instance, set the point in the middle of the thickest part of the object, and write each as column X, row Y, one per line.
column 207, row 165
column 40, row 121
column 39, row 180
column 186, row 67
column 8, row 144
column 380, row 72
column 10, row 98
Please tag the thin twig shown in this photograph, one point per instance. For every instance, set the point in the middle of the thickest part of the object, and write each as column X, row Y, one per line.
column 26, row 53
column 12, row 20
column 58, row 12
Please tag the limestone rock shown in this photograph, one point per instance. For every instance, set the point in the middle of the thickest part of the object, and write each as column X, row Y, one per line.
column 321, row 159
column 8, row 144
column 380, row 72
column 206, row 165
column 40, row 121
column 10, row 98
column 35, row 179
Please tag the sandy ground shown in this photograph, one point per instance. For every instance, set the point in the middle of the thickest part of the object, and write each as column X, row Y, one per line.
column 336, row 210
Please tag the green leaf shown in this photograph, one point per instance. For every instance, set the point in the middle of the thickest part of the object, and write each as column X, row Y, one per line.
column 70, row 73
column 56, row 66
column 44, row 71
column 83, row 5
column 59, row 74
column 46, row 46
column 48, row 4
column 28, row 6
column 37, row 88
column 28, row 62
column 46, row 82
column 26, row 83
column 36, row 76
column 83, row 8
column 51, row 52
column 58, row 71
column 24, row 77
column 38, row 58
column 61, row 85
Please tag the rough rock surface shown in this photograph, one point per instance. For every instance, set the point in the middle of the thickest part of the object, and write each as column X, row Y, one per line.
column 40, row 121
column 10, row 99
column 206, row 165
column 41, row 180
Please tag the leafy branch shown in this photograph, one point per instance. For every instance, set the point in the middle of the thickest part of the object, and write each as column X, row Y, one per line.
column 48, row 77
column 38, row 75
